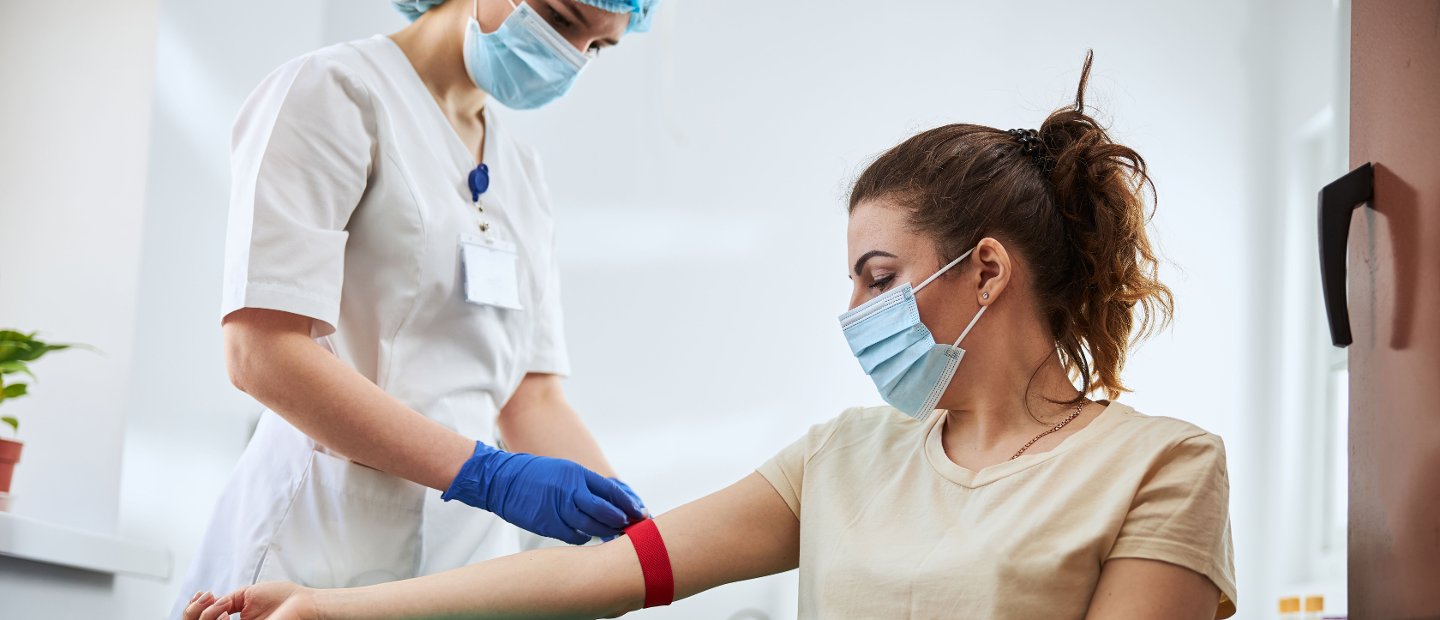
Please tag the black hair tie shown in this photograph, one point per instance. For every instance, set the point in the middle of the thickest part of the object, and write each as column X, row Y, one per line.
column 1030, row 144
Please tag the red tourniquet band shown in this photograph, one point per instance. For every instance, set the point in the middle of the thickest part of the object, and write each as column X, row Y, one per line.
column 654, row 563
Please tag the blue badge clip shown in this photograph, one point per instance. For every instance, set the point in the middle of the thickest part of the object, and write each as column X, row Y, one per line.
column 479, row 181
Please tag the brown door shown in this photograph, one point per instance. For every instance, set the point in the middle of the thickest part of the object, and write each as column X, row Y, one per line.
column 1394, row 311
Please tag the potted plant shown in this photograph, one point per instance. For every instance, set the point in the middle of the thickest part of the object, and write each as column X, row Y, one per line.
column 17, row 351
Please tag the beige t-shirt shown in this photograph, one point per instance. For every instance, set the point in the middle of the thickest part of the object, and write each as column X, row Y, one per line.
column 892, row 528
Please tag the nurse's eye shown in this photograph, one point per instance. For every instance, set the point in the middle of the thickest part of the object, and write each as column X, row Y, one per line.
column 593, row 51
column 882, row 282
column 559, row 21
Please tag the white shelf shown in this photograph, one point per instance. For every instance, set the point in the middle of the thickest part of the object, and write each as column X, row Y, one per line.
column 38, row 541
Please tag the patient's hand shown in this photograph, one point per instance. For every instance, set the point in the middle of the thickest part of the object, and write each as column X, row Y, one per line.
column 271, row 600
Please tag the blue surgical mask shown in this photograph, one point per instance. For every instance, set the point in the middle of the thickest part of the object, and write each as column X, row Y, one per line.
column 525, row 63
column 898, row 351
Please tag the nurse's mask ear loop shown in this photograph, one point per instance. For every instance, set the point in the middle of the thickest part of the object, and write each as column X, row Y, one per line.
column 475, row 8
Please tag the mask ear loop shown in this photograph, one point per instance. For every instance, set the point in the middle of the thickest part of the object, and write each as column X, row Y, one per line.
column 937, row 274
column 969, row 327
column 475, row 8
column 943, row 270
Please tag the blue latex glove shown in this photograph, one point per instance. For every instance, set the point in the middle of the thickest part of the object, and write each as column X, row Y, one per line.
column 550, row 497
column 633, row 497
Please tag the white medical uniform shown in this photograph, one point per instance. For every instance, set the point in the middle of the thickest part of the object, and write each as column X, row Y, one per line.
column 348, row 203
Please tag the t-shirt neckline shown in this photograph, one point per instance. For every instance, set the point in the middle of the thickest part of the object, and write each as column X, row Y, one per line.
column 935, row 450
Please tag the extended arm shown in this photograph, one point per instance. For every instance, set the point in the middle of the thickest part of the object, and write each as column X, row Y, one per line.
column 742, row 532
column 1133, row 588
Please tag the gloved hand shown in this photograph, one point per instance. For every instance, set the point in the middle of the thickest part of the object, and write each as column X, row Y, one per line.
column 548, row 496
column 636, row 498
column 645, row 512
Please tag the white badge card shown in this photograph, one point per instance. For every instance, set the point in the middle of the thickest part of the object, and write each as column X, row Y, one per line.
column 489, row 269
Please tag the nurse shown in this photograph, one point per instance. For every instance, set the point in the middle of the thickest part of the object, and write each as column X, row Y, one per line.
column 391, row 297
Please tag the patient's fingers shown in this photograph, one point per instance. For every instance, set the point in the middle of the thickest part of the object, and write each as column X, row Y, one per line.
column 218, row 609
column 238, row 603
column 198, row 603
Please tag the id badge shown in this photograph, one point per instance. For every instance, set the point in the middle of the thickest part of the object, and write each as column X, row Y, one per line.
column 489, row 270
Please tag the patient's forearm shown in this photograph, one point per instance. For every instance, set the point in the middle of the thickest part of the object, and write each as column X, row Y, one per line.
column 575, row 582
column 740, row 532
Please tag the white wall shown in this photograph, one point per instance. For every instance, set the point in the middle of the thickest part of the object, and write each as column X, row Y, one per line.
column 699, row 172
column 75, row 89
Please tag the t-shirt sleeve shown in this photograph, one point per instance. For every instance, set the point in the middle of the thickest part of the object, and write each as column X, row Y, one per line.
column 1181, row 516
column 302, row 149
column 786, row 471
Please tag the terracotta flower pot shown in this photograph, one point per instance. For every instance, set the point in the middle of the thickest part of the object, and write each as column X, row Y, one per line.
column 9, row 456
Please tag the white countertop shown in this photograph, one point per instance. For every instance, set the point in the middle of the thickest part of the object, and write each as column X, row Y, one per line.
column 38, row 541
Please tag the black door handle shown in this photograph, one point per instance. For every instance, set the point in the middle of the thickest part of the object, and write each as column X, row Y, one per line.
column 1338, row 201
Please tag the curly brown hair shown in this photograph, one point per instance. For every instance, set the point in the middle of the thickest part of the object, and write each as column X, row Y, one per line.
column 1075, row 210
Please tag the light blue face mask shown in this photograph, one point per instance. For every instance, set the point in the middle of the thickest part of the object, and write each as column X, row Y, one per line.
column 899, row 352
column 525, row 63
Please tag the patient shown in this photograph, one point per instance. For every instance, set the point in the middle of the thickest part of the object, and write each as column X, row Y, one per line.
column 991, row 487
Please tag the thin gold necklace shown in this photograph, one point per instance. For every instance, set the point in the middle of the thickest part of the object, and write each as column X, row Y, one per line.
column 1068, row 419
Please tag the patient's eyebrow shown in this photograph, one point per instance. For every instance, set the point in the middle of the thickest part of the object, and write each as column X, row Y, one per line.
column 860, row 264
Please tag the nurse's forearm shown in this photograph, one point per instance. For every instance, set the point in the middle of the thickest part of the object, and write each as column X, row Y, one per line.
column 272, row 358
column 539, row 420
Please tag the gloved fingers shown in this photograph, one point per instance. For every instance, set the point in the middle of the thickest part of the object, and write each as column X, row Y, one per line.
column 600, row 510
column 633, row 496
column 607, row 490
column 564, row 533
column 576, row 519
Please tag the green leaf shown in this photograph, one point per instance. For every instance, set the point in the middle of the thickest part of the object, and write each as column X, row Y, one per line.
column 21, row 347
column 14, row 423
column 9, row 351
column 14, row 390
column 18, row 346
column 39, row 349
column 15, row 366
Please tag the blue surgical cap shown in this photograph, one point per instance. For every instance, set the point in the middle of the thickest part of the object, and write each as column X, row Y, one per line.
column 640, row 10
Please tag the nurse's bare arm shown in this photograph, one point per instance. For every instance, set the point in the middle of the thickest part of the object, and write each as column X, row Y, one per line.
column 270, row 356
column 741, row 532
column 1133, row 588
column 538, row 420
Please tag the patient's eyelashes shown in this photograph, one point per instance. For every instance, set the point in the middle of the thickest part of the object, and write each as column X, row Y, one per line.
column 882, row 282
